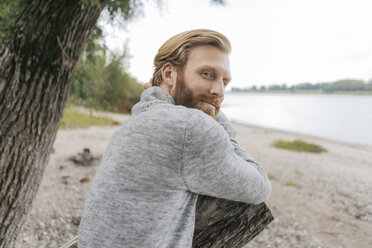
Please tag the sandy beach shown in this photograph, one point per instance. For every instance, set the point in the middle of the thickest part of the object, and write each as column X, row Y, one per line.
column 318, row 200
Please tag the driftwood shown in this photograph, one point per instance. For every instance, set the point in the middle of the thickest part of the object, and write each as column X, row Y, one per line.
column 223, row 223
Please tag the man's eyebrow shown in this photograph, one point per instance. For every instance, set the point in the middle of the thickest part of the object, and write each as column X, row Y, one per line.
column 208, row 67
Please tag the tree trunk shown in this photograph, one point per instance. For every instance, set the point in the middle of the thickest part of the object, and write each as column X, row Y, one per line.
column 37, row 63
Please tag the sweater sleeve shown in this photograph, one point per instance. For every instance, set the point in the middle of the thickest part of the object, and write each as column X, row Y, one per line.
column 214, row 164
column 226, row 124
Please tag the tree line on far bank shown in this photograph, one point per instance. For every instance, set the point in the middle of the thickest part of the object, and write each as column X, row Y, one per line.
column 347, row 85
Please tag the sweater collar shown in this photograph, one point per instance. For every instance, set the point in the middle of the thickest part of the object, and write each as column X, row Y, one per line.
column 156, row 93
column 151, row 96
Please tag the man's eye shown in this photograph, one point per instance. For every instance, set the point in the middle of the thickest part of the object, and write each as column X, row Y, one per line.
column 208, row 75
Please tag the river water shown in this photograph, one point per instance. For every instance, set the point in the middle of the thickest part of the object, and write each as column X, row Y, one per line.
column 345, row 118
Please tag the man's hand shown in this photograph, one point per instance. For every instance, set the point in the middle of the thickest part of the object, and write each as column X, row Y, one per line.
column 148, row 85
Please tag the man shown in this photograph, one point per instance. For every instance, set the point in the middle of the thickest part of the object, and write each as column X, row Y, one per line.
column 145, row 191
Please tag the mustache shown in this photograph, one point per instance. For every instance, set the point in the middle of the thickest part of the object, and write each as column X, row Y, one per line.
column 216, row 101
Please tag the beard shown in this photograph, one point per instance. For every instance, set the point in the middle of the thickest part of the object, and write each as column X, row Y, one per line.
column 182, row 95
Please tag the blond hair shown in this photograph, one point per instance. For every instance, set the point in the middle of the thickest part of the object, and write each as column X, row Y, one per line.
column 177, row 49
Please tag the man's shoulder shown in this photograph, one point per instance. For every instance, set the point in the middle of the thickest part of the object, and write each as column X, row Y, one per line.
column 170, row 112
column 164, row 116
column 190, row 115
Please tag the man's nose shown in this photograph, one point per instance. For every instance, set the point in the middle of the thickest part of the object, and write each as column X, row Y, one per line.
column 217, row 89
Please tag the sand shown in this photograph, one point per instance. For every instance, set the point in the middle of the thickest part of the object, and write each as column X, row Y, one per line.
column 318, row 200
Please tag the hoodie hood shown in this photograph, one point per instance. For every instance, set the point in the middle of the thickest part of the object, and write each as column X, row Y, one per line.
column 152, row 96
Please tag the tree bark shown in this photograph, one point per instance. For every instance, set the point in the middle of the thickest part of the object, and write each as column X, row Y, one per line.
column 37, row 63
column 225, row 223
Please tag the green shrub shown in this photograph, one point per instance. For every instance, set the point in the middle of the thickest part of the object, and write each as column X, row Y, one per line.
column 101, row 81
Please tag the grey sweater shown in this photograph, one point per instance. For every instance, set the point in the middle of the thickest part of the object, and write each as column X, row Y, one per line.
column 145, row 190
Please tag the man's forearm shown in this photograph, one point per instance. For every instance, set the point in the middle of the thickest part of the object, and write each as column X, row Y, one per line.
column 214, row 164
column 230, row 130
column 227, row 125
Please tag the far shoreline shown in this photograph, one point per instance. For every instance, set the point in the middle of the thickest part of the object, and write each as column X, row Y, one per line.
column 304, row 92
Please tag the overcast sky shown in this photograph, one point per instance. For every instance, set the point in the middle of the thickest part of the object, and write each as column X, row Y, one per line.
column 273, row 41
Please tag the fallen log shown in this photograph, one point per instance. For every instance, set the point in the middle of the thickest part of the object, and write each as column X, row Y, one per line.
column 225, row 223
column 222, row 223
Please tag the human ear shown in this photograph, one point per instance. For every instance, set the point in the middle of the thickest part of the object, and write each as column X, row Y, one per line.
column 169, row 75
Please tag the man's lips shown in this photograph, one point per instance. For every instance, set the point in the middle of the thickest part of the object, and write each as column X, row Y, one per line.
column 208, row 103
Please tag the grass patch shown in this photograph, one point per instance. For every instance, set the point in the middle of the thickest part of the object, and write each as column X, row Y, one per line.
column 298, row 173
column 273, row 177
column 293, row 184
column 72, row 119
column 299, row 146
